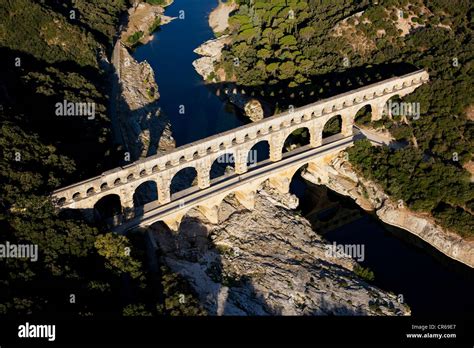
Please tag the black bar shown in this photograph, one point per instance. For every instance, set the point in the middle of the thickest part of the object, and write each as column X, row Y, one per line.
column 289, row 331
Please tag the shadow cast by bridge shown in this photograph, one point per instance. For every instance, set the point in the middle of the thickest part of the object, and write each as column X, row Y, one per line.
column 138, row 130
column 192, row 253
column 278, row 97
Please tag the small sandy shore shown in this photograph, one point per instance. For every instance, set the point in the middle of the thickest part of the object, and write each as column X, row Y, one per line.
column 219, row 17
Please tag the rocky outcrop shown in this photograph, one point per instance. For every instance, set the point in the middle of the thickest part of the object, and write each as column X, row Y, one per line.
column 144, row 130
column 138, row 81
column 211, row 52
column 252, row 107
column 137, row 122
column 141, row 18
column 267, row 261
column 253, row 110
column 339, row 176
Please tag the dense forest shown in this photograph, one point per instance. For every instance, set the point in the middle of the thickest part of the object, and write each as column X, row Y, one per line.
column 51, row 51
column 298, row 51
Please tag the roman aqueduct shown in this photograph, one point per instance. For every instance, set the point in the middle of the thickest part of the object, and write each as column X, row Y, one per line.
column 238, row 142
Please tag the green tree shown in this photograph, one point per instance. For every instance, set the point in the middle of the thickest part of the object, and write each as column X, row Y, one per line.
column 272, row 68
column 264, row 53
column 287, row 70
column 116, row 250
column 307, row 33
column 288, row 41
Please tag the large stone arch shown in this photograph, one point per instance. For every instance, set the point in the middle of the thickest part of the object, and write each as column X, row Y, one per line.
column 183, row 179
column 296, row 183
column 332, row 126
column 282, row 180
column 108, row 206
column 259, row 152
column 363, row 115
column 247, row 196
column 222, row 164
column 298, row 137
column 145, row 193
column 390, row 106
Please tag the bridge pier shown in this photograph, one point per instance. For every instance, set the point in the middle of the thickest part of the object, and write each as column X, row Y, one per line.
column 316, row 137
column 315, row 169
column 281, row 182
column 126, row 200
column 378, row 109
column 276, row 147
column 204, row 175
column 313, row 166
column 240, row 161
column 246, row 198
column 173, row 221
column 210, row 212
column 128, row 209
column 164, row 190
column 347, row 123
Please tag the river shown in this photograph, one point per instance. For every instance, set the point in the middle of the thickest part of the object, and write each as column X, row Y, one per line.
column 431, row 283
column 170, row 54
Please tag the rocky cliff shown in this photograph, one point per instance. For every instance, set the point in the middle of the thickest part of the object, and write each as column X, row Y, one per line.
column 144, row 130
column 339, row 176
column 142, row 18
column 267, row 261
column 210, row 52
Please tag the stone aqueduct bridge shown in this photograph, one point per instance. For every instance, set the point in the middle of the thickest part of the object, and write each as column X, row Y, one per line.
column 201, row 154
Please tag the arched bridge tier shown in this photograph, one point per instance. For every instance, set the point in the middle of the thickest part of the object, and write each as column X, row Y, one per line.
column 159, row 170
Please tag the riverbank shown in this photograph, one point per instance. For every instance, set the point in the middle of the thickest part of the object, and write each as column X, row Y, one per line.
column 211, row 53
column 211, row 50
column 420, row 225
column 144, row 131
column 268, row 261
column 219, row 17
column 340, row 177
column 143, row 20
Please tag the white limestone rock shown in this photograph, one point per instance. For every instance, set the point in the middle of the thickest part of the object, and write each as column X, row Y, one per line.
column 211, row 52
column 267, row 261
column 371, row 197
column 253, row 110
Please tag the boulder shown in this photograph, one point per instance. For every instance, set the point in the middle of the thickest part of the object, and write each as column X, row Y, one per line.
column 253, row 110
